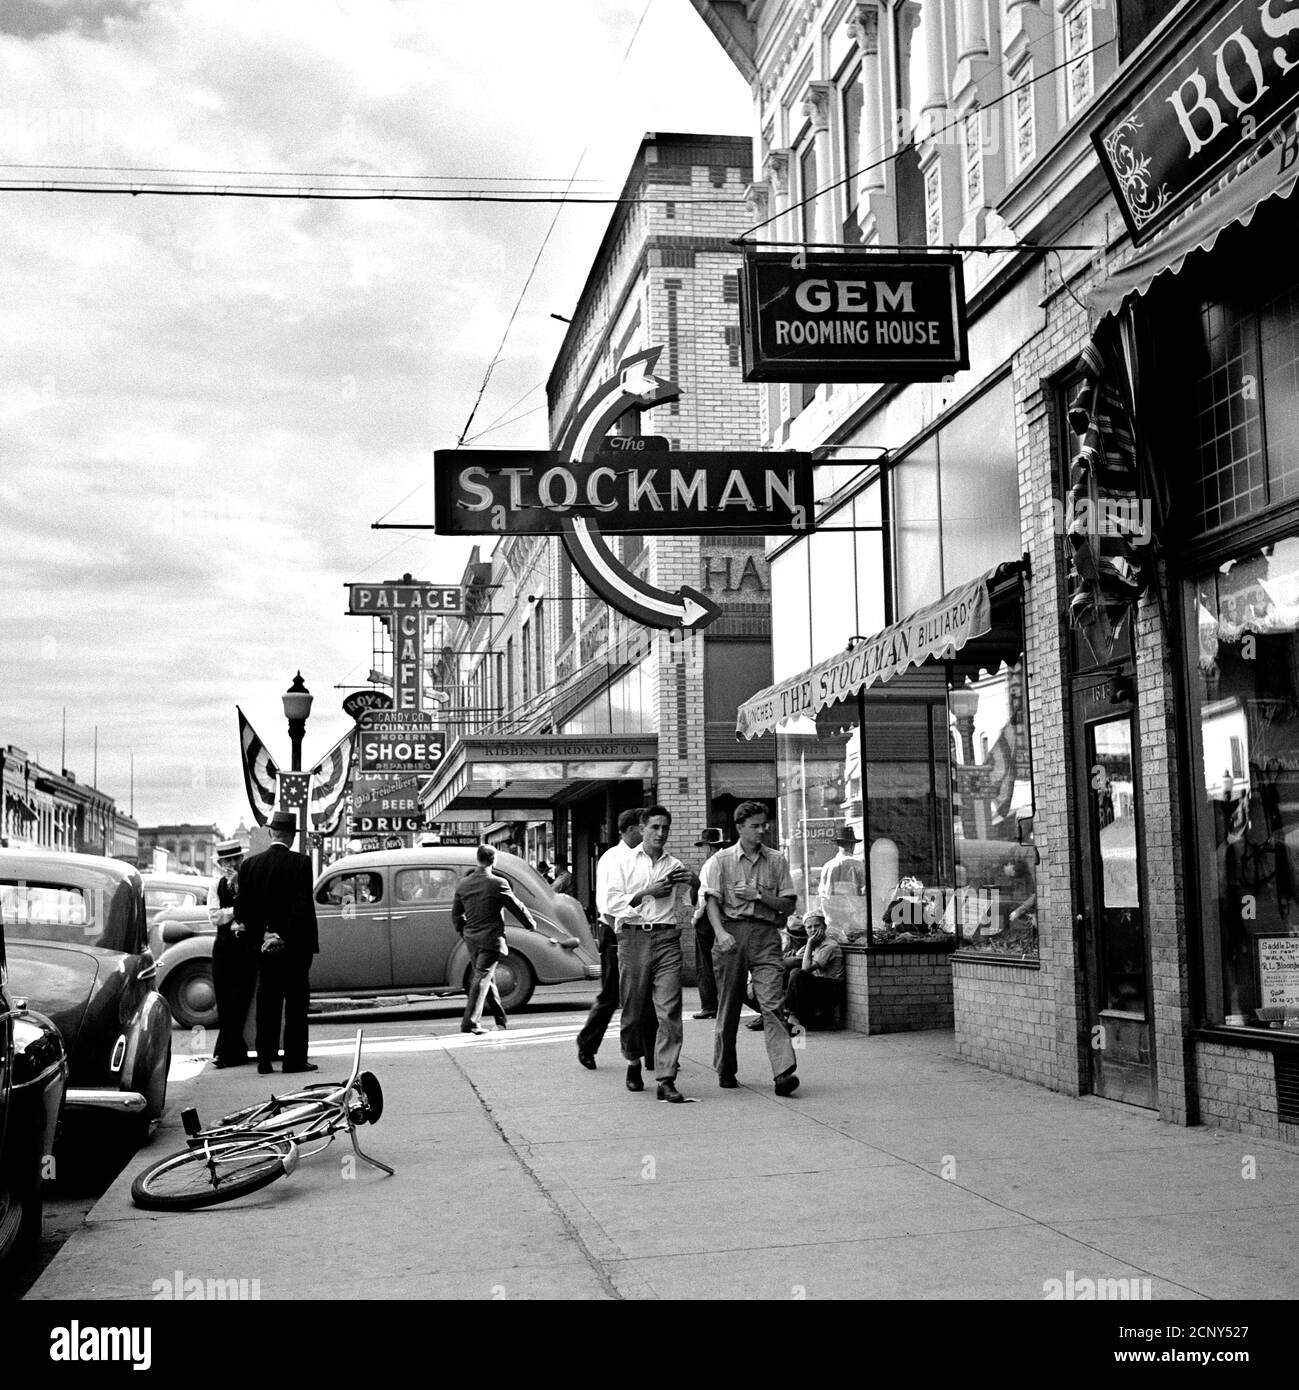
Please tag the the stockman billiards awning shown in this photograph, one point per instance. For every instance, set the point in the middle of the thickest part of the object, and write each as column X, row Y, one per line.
column 511, row 776
column 938, row 630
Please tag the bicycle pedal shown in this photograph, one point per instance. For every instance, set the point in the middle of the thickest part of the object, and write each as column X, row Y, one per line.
column 189, row 1118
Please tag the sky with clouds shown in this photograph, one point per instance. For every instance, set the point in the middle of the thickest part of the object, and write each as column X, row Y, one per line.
column 206, row 401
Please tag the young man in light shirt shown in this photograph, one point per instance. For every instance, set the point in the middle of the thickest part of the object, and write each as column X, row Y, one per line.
column 642, row 889
column 750, row 894
column 606, row 1002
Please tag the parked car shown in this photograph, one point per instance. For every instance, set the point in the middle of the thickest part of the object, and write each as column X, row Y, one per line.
column 162, row 891
column 385, row 928
column 182, row 938
column 78, row 952
column 33, row 1076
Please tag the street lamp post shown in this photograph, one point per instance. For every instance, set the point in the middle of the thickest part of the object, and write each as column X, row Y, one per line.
column 297, row 708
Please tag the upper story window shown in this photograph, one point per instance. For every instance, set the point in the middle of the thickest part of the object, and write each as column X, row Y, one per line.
column 850, row 109
column 1137, row 18
column 1079, row 71
column 807, row 186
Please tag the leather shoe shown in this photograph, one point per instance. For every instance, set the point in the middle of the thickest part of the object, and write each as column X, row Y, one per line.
column 264, row 1068
column 302, row 1066
column 220, row 1062
column 586, row 1059
column 501, row 1025
column 705, row 1013
column 475, row 1031
column 635, row 1082
column 668, row 1091
column 786, row 1083
column 728, row 1083
column 754, row 1025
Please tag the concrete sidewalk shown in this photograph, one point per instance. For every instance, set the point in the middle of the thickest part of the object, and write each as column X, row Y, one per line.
column 897, row 1171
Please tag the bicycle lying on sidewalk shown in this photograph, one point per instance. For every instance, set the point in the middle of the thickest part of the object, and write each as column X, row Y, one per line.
column 251, row 1148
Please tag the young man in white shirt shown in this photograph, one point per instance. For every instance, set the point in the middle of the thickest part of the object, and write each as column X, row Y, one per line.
column 606, row 1002
column 642, row 890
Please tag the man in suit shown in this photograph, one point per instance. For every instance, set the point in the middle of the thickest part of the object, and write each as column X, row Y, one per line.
column 478, row 913
column 275, row 901
column 234, row 960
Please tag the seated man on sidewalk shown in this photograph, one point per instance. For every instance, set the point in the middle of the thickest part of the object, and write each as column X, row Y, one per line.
column 816, row 986
column 793, row 939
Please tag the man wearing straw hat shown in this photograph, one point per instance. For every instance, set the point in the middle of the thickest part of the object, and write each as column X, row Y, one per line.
column 234, row 960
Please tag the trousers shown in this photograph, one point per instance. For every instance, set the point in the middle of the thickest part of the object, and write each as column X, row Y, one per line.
column 482, row 986
column 704, row 939
column 606, row 1005
column 283, row 987
column 649, row 977
column 756, row 953
column 812, row 998
column 234, row 978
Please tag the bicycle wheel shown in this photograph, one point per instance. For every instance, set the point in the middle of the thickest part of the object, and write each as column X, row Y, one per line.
column 218, row 1171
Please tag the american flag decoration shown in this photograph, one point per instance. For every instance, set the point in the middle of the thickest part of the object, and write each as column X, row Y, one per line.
column 260, row 772
column 295, row 788
column 330, row 778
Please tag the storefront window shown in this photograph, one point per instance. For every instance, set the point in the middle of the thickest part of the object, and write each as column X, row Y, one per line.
column 994, row 903
column 818, row 778
column 1246, row 615
column 791, row 626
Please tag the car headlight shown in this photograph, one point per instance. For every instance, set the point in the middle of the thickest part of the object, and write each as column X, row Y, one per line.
column 37, row 1049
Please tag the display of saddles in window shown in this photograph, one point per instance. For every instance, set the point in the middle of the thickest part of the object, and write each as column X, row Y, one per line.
column 1106, row 523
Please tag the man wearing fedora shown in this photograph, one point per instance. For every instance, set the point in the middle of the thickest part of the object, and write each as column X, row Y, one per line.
column 275, row 901
column 710, row 841
column 234, row 960
column 843, row 886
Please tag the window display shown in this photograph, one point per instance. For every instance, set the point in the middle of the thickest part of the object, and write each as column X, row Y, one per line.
column 1246, row 617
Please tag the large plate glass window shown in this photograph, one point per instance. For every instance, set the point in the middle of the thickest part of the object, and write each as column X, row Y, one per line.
column 1244, row 625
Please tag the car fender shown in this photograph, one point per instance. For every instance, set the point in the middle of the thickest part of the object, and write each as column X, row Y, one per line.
column 192, row 948
column 457, row 963
column 551, row 964
column 148, row 1050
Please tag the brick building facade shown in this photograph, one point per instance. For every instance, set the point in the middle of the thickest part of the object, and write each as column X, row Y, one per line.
column 1129, row 803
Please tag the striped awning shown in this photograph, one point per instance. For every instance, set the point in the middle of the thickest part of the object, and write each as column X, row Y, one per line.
column 1235, row 197
column 938, row 630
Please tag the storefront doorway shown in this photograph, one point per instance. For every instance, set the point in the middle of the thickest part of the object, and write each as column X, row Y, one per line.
column 1112, row 884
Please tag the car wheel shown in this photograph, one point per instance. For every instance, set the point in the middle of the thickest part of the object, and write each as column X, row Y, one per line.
column 515, row 981
column 191, row 993
column 21, row 1253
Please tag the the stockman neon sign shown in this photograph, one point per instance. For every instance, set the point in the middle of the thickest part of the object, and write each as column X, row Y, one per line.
column 593, row 484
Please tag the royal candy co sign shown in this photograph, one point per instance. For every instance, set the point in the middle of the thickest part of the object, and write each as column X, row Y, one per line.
column 1197, row 114
column 852, row 317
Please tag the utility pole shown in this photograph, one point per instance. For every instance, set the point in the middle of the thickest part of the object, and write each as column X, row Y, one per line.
column 63, row 747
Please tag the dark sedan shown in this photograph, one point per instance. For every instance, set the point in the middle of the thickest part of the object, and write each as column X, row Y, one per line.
column 33, row 1074
column 79, row 952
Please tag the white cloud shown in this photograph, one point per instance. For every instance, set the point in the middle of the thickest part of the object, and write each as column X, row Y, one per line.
column 206, row 402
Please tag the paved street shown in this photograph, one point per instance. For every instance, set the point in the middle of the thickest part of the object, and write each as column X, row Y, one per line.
column 897, row 1171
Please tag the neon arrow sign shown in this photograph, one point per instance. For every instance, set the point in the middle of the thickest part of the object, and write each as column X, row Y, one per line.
column 635, row 388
